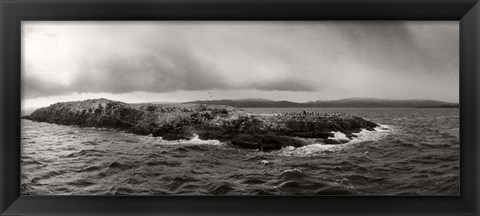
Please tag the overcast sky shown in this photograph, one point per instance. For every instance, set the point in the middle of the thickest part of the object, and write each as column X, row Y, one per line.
column 181, row 61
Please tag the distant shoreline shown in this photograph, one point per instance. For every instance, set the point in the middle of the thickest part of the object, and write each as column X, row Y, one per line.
column 439, row 107
column 443, row 106
column 341, row 103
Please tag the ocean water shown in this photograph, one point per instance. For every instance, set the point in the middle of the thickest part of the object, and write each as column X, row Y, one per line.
column 414, row 152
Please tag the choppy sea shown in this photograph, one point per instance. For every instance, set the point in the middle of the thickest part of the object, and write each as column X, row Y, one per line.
column 415, row 151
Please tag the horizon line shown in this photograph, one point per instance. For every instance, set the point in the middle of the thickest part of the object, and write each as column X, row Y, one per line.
column 265, row 99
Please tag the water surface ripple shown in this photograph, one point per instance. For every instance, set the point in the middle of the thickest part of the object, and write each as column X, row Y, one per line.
column 415, row 152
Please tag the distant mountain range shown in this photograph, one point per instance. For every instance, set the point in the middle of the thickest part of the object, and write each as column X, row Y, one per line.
column 348, row 102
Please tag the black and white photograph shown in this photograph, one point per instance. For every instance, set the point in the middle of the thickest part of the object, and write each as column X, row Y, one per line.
column 317, row 108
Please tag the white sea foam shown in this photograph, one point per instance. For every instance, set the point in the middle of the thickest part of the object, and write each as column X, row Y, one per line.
column 310, row 149
column 317, row 148
column 193, row 141
column 339, row 136
column 384, row 128
column 196, row 140
column 378, row 133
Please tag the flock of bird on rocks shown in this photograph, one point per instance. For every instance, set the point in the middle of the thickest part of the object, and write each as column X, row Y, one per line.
column 315, row 114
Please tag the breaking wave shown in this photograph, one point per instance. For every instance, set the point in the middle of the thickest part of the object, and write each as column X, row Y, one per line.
column 193, row 141
column 316, row 148
column 419, row 155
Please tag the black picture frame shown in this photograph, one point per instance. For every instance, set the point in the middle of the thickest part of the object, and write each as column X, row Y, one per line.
column 12, row 12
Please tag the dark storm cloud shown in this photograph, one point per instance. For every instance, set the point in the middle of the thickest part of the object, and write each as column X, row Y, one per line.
column 170, row 70
column 286, row 85
column 357, row 57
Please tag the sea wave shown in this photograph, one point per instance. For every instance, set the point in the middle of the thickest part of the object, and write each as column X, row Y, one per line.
column 415, row 153
column 193, row 141
column 317, row 148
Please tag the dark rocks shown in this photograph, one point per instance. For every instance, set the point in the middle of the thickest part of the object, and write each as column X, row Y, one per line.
column 212, row 134
column 185, row 121
column 335, row 141
column 247, row 141
column 273, row 142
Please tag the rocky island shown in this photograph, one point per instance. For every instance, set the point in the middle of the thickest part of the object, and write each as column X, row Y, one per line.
column 220, row 122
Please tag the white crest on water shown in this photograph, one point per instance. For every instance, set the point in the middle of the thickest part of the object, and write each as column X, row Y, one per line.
column 317, row 148
column 339, row 136
column 193, row 141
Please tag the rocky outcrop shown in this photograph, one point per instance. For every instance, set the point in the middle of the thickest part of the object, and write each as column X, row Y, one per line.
column 184, row 121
